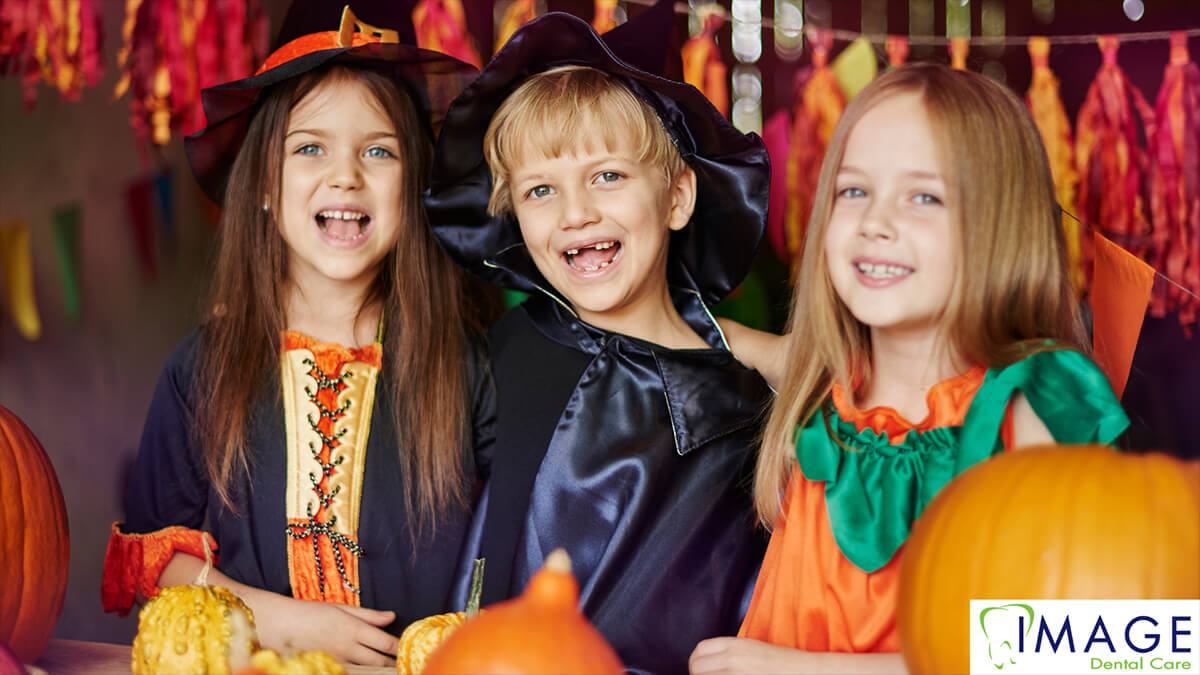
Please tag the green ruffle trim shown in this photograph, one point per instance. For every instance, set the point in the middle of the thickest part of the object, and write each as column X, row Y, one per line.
column 875, row 493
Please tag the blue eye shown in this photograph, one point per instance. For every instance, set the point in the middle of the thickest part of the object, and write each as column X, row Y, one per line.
column 379, row 151
column 540, row 191
column 852, row 192
column 927, row 199
column 310, row 149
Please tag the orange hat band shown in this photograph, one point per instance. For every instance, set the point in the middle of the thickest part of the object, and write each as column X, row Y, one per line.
column 345, row 36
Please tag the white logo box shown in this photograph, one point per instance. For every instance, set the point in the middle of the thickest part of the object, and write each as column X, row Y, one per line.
column 1085, row 636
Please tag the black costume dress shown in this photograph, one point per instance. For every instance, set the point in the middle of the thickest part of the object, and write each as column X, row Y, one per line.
column 170, row 497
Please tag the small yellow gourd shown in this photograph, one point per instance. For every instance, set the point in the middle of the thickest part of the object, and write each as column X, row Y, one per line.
column 423, row 636
column 194, row 628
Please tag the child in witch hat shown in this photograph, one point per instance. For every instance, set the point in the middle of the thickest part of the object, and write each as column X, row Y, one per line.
column 319, row 417
column 627, row 205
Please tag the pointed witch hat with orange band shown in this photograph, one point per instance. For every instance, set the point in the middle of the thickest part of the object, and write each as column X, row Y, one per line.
column 430, row 78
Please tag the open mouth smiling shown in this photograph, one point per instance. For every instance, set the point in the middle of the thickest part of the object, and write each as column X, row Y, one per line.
column 594, row 256
column 343, row 224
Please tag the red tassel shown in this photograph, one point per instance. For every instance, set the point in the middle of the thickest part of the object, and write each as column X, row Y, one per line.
column 897, row 50
column 815, row 113
column 1110, row 162
column 174, row 48
column 51, row 41
column 441, row 25
column 1175, row 184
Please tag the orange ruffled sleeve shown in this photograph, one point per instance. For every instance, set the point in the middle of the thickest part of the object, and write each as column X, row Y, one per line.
column 134, row 562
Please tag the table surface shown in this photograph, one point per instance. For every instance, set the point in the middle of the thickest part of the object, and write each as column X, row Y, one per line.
column 77, row 657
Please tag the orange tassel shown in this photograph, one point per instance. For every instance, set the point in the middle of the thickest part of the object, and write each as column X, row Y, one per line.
column 814, row 116
column 519, row 13
column 604, row 16
column 1175, row 184
column 702, row 65
column 959, row 46
column 441, row 25
column 1047, row 109
column 1110, row 162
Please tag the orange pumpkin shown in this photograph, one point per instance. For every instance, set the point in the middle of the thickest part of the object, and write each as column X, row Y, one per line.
column 1046, row 523
column 541, row 631
column 35, row 549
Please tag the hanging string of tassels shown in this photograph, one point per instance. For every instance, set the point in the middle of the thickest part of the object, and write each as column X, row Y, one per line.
column 1046, row 106
column 174, row 48
column 1110, row 162
column 517, row 14
column 441, row 25
column 59, row 42
column 1174, row 149
column 702, row 64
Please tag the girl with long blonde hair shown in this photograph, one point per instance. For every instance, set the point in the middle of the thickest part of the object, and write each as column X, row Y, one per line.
column 933, row 325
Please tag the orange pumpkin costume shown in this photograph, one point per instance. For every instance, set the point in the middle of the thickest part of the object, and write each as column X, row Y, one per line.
column 810, row 594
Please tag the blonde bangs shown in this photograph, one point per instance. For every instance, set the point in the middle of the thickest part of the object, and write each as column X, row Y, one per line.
column 567, row 111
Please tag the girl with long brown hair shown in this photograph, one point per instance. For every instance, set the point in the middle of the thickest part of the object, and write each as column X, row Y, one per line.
column 933, row 325
column 318, row 425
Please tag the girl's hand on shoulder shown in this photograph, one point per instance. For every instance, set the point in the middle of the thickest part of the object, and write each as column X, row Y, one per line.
column 759, row 350
column 743, row 655
column 353, row 635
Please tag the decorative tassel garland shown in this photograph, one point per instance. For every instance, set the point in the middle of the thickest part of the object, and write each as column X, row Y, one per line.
column 1175, row 184
column 1047, row 109
column 814, row 115
column 441, row 25
column 1111, row 165
column 55, row 41
column 604, row 15
column 174, row 48
column 519, row 13
column 702, row 64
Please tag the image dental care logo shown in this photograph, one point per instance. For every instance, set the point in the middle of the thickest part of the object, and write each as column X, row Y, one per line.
column 1085, row 636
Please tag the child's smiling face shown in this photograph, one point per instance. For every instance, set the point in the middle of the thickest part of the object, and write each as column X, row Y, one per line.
column 892, row 242
column 597, row 224
column 341, row 201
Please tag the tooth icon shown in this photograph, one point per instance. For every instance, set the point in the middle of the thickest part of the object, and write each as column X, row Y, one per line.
column 1000, row 628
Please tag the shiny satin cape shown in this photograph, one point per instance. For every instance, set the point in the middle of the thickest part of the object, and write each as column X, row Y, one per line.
column 639, row 461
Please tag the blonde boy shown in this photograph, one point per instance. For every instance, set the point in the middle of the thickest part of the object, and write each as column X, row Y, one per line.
column 624, row 428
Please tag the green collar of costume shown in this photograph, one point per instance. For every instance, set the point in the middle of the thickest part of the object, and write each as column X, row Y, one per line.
column 875, row 492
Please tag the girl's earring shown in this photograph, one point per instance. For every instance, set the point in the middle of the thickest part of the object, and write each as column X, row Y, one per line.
column 266, row 206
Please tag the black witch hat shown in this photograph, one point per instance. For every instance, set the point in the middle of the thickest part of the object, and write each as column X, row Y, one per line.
column 431, row 79
column 712, row 254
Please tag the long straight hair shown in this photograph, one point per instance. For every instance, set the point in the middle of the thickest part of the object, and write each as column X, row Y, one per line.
column 1012, row 292
column 428, row 318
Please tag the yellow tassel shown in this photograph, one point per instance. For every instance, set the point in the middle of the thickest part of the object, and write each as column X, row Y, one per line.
column 17, row 260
